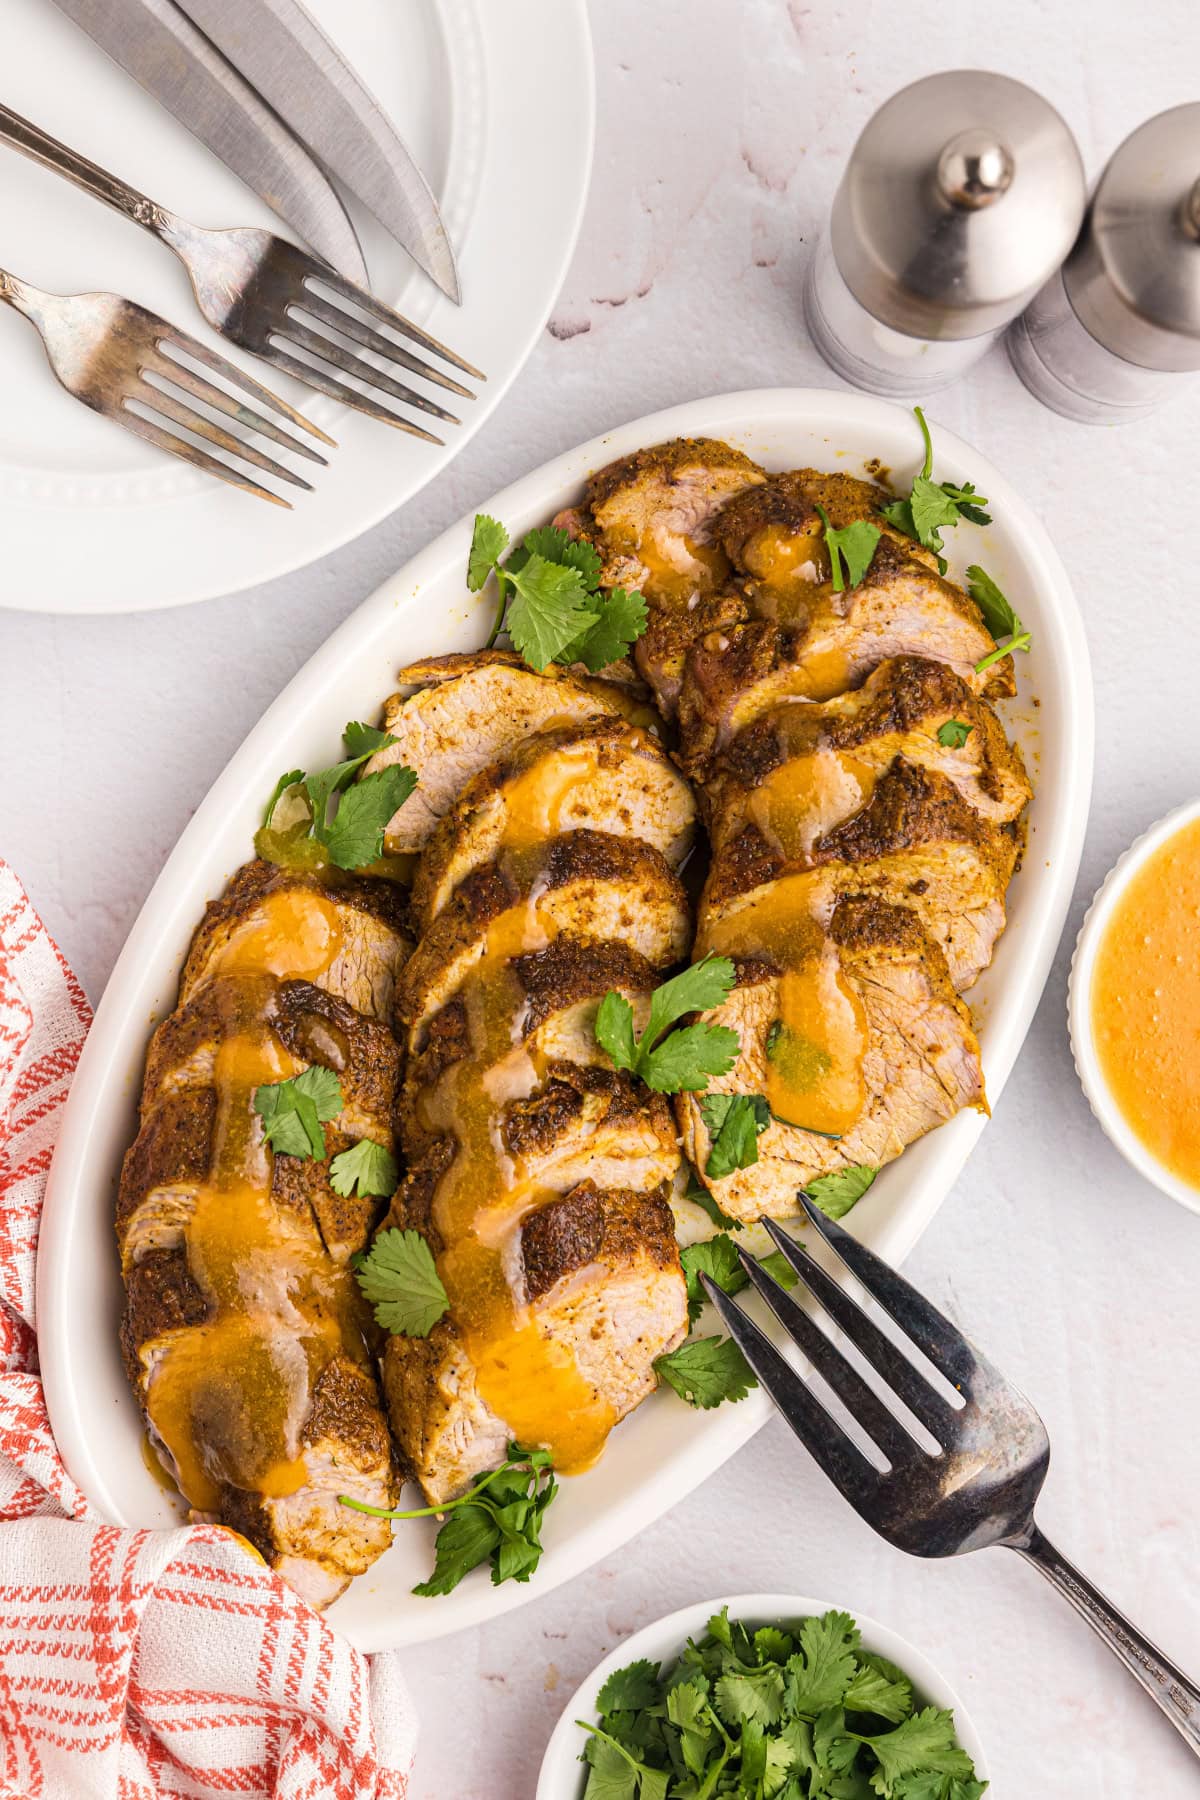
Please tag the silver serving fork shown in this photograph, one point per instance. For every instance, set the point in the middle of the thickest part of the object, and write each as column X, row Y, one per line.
column 981, row 1486
column 125, row 362
column 262, row 292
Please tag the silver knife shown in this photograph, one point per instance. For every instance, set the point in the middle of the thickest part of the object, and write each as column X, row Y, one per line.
column 165, row 52
column 280, row 48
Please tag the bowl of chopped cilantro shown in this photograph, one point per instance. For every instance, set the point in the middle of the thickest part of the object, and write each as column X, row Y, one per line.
column 764, row 1697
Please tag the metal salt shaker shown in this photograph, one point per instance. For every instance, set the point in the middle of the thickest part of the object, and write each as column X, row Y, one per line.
column 1114, row 333
column 961, row 196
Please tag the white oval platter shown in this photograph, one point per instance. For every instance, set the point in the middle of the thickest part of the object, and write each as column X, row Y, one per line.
column 665, row 1449
column 93, row 520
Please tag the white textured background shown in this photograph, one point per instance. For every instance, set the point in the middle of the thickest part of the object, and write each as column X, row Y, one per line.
column 723, row 128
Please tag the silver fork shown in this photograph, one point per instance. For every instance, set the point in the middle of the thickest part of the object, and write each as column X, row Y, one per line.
column 980, row 1487
column 116, row 357
column 253, row 287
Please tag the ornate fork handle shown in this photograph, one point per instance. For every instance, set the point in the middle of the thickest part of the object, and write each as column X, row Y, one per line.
column 22, row 135
column 1167, row 1686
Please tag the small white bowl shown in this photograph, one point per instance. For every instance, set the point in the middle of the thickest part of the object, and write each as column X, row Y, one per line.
column 1079, row 1008
column 562, row 1776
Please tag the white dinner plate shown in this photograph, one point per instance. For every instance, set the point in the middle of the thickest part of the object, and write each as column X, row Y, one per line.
column 562, row 1777
column 92, row 519
column 665, row 1449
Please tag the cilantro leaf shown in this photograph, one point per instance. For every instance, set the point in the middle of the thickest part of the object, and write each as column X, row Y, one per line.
column 706, row 1371
column 355, row 837
column 548, row 611
column 872, row 1691
column 718, row 1259
column 489, row 541
column 734, row 1123
column 293, row 1111
column 629, row 1689
column 838, row 1191
column 924, row 1743
column 291, row 779
column 364, row 740
column 850, row 549
column 468, row 1538
column 823, row 1667
column 365, row 1168
column 400, row 1279
column 953, row 734
column 998, row 615
column 700, row 1196
column 621, row 620
column 683, row 1060
column 558, row 546
column 750, row 1696
column 933, row 505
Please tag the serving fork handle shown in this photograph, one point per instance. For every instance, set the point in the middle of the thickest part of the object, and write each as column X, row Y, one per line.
column 21, row 134
column 1170, row 1689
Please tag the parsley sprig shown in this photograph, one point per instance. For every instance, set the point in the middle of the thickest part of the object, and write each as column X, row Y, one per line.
column 998, row 616
column 550, row 603
column 952, row 734
column 673, row 1061
column 499, row 1521
column 841, row 1189
column 734, row 1123
column 351, row 836
column 933, row 505
column 793, row 1710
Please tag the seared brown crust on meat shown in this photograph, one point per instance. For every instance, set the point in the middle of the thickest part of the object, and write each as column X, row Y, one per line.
column 910, row 807
column 567, row 972
column 569, row 1091
column 628, row 787
column 664, row 465
column 237, row 1020
column 663, row 648
column 587, row 885
column 921, row 1066
column 567, row 1234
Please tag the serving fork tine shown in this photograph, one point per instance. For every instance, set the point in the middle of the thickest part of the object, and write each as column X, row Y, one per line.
column 274, row 299
column 128, row 364
column 979, row 1484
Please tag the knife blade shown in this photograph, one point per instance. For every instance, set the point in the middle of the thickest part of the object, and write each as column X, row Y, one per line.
column 279, row 47
column 170, row 57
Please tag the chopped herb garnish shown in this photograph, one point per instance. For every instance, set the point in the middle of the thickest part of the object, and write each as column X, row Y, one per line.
column 838, row 1191
column 953, row 734
column 782, row 1712
column 549, row 600
column 673, row 1062
column 850, row 550
column 499, row 1521
column 734, row 1123
column 399, row 1277
column 717, row 1258
column 294, row 1111
column 700, row 1195
column 998, row 616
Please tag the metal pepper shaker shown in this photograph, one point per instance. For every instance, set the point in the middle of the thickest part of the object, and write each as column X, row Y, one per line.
column 961, row 196
column 1114, row 333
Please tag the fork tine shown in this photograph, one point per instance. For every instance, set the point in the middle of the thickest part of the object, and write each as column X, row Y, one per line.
column 359, row 297
column 170, row 339
column 930, row 1330
column 328, row 351
column 212, row 465
column 179, row 375
column 902, row 1376
column 867, row 1408
column 362, row 333
column 329, row 384
column 817, row 1430
column 157, row 400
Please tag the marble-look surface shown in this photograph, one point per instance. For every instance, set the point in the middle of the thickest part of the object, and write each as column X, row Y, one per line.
column 723, row 128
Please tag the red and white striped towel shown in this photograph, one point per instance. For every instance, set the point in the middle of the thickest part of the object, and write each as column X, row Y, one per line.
column 140, row 1665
